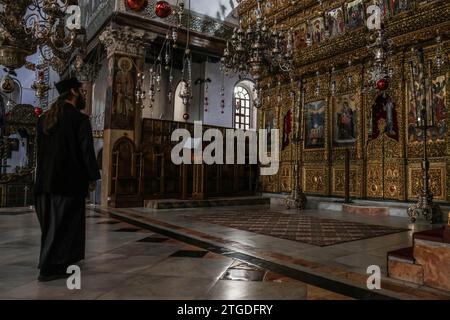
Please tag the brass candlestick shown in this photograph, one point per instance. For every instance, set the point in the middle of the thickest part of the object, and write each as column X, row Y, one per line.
column 297, row 199
column 425, row 206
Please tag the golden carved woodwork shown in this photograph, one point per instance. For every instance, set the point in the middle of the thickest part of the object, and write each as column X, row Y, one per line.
column 270, row 183
column 418, row 24
column 286, row 177
column 385, row 180
column 343, row 63
column 374, row 180
column 383, row 147
column 315, row 180
column 437, row 181
column 338, row 181
column 393, row 180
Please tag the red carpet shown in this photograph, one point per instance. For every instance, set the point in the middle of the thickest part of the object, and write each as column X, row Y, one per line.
column 298, row 227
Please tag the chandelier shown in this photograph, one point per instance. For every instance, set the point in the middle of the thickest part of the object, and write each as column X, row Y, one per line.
column 257, row 49
column 51, row 27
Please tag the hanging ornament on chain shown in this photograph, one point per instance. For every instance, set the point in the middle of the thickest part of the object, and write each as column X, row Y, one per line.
column 168, row 52
column 222, row 94
column 170, row 93
column 140, row 94
column 186, row 74
column 206, row 102
column 383, row 84
column 179, row 16
column 186, row 90
column 163, row 9
column 151, row 91
column 38, row 111
column 380, row 73
column 137, row 5
column 222, row 100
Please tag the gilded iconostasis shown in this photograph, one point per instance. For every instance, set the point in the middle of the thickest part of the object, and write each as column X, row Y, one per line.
column 339, row 109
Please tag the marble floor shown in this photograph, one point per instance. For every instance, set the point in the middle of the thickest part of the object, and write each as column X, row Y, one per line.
column 125, row 261
column 339, row 268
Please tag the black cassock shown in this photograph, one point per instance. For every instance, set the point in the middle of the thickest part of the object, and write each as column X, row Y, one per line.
column 66, row 163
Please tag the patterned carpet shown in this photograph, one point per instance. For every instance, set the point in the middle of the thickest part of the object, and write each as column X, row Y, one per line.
column 297, row 227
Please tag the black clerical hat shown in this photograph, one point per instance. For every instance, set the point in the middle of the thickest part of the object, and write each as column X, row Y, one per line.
column 64, row 86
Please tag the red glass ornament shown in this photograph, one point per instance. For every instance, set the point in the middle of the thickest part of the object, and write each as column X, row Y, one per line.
column 163, row 9
column 382, row 84
column 137, row 5
column 38, row 111
column 186, row 116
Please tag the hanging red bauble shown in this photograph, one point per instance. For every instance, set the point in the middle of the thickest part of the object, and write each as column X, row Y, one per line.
column 38, row 111
column 186, row 116
column 382, row 84
column 137, row 5
column 163, row 9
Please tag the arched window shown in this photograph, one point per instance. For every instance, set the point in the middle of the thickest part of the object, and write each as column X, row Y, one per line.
column 243, row 107
column 179, row 109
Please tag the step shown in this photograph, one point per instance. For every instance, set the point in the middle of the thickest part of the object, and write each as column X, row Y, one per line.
column 434, row 235
column 214, row 202
column 395, row 208
column 404, row 254
column 401, row 266
column 434, row 257
column 365, row 210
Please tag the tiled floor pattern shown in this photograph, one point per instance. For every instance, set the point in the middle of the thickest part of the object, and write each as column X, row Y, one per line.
column 345, row 262
column 126, row 262
column 301, row 228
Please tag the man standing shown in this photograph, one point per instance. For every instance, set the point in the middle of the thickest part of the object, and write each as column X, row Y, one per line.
column 66, row 170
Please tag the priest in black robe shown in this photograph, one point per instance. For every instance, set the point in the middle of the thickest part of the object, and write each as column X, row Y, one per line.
column 66, row 171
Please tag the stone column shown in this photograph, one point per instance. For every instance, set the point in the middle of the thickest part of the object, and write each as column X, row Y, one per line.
column 125, row 57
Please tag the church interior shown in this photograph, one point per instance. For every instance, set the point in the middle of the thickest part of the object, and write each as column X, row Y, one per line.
column 346, row 99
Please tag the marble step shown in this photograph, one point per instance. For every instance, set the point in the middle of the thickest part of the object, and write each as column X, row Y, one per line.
column 215, row 202
column 393, row 208
column 401, row 266
column 434, row 235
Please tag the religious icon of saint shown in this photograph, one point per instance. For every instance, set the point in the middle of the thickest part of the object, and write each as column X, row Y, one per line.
column 318, row 30
column 300, row 36
column 125, row 87
column 439, row 109
column 355, row 14
column 384, row 117
column 346, row 123
column 345, row 128
column 315, row 124
column 335, row 22
column 389, row 109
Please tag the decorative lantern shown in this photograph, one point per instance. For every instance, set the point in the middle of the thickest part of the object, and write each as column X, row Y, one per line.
column 163, row 9
column 137, row 5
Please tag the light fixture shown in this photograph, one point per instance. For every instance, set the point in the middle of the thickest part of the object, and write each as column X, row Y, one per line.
column 257, row 49
column 28, row 26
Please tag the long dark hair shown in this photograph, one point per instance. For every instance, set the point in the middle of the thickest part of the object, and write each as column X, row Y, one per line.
column 52, row 116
